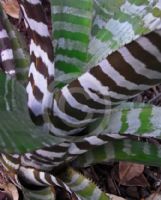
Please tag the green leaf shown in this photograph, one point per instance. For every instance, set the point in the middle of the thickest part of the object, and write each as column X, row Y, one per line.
column 71, row 22
column 136, row 119
column 18, row 133
column 122, row 150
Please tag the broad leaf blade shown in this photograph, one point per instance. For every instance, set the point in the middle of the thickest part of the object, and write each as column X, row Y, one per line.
column 136, row 119
column 18, row 133
column 72, row 22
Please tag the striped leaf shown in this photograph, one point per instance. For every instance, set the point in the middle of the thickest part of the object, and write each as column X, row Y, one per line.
column 110, row 26
column 43, row 179
column 121, row 76
column 122, row 150
column 136, row 119
column 83, row 187
column 71, row 22
column 16, row 43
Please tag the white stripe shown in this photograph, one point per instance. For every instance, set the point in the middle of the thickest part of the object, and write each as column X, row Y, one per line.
column 6, row 54
column 146, row 148
column 61, row 25
column 138, row 66
column 60, row 132
column 28, row 173
column 94, row 140
column 133, row 9
column 81, row 185
column 10, row 72
column 7, row 81
column 73, row 122
column 49, row 154
column 70, row 44
column 19, row 54
column 115, row 122
column 118, row 78
column 96, row 194
column 156, row 117
column 75, row 104
column 42, row 178
column 133, row 125
column 39, row 27
column 34, row 2
column 53, row 179
column 39, row 79
column 89, row 81
column 74, row 61
column 71, row 10
column 34, row 195
column 33, row 104
column 123, row 31
column 147, row 45
column 40, row 53
column 73, row 149
column 75, row 177
column 8, row 162
column 152, row 22
column 3, row 34
column 127, row 147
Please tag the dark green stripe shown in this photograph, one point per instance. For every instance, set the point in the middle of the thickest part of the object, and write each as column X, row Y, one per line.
column 71, row 19
column 67, row 67
column 72, row 36
column 145, row 116
column 72, row 53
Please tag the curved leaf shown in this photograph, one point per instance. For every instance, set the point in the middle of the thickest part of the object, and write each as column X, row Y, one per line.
column 136, row 119
column 83, row 187
column 122, row 150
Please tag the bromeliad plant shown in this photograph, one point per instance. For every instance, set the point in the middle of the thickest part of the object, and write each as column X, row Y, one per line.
column 78, row 110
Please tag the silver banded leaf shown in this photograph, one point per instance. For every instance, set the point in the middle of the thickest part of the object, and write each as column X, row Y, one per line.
column 116, row 23
column 135, row 119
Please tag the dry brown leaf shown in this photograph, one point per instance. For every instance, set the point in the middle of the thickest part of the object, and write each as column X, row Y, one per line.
column 11, row 7
column 11, row 190
column 154, row 196
column 128, row 171
column 114, row 197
